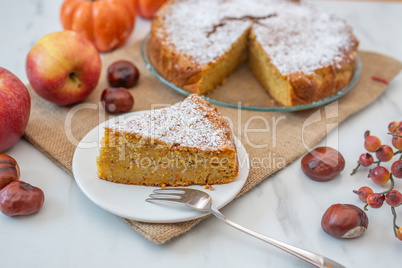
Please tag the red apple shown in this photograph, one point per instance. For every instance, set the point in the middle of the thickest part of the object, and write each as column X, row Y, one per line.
column 63, row 67
column 15, row 107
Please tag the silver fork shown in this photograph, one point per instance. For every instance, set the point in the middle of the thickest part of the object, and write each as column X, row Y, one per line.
column 202, row 201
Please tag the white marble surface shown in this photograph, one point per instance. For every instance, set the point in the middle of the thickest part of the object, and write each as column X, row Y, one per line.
column 71, row 231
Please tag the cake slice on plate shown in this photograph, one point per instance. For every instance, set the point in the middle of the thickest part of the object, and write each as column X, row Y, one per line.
column 184, row 144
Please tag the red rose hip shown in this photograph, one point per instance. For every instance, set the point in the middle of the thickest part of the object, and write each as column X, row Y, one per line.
column 397, row 141
column 384, row 153
column 371, row 143
column 399, row 233
column 363, row 193
column 396, row 169
column 393, row 126
column 379, row 175
column 375, row 200
column 393, row 198
column 366, row 159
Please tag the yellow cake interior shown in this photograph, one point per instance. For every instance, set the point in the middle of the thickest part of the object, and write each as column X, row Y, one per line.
column 269, row 77
column 129, row 156
column 217, row 72
column 145, row 162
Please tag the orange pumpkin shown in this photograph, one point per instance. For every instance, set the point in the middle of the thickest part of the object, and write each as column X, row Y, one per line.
column 106, row 23
column 147, row 8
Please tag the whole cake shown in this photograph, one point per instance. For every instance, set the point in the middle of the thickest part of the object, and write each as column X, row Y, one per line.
column 298, row 52
column 184, row 144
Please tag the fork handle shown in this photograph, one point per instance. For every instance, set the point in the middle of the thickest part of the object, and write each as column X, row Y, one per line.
column 310, row 257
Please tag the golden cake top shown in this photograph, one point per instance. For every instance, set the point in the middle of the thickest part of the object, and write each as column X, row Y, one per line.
column 192, row 123
column 298, row 37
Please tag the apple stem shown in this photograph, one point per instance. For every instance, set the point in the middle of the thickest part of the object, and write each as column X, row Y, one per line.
column 75, row 79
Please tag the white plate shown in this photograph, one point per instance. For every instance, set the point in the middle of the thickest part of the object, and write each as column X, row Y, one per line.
column 128, row 201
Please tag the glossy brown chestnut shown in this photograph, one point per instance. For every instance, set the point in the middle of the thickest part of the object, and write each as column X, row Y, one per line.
column 117, row 100
column 122, row 73
column 344, row 221
column 20, row 198
column 9, row 170
column 322, row 164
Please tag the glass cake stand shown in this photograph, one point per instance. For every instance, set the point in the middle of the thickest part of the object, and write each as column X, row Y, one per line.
column 260, row 100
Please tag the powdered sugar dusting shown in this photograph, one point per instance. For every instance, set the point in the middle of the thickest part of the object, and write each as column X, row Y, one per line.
column 298, row 38
column 187, row 24
column 189, row 123
column 303, row 38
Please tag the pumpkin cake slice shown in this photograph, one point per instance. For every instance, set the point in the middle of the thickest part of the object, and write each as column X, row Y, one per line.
column 184, row 144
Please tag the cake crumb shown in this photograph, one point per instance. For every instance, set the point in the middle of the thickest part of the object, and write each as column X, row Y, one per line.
column 163, row 186
column 209, row 187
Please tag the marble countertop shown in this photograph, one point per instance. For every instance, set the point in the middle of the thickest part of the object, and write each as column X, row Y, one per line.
column 71, row 231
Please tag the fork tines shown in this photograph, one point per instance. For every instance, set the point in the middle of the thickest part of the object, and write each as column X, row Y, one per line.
column 166, row 195
column 170, row 191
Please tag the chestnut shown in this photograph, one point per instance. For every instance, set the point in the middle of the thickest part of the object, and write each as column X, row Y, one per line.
column 122, row 73
column 9, row 170
column 116, row 100
column 20, row 198
column 344, row 221
column 322, row 164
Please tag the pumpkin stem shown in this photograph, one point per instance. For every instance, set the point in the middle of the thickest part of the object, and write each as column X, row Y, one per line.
column 74, row 77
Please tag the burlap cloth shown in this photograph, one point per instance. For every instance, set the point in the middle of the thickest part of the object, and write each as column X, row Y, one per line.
column 272, row 139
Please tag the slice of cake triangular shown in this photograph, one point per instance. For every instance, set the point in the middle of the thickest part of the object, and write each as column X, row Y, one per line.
column 184, row 144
